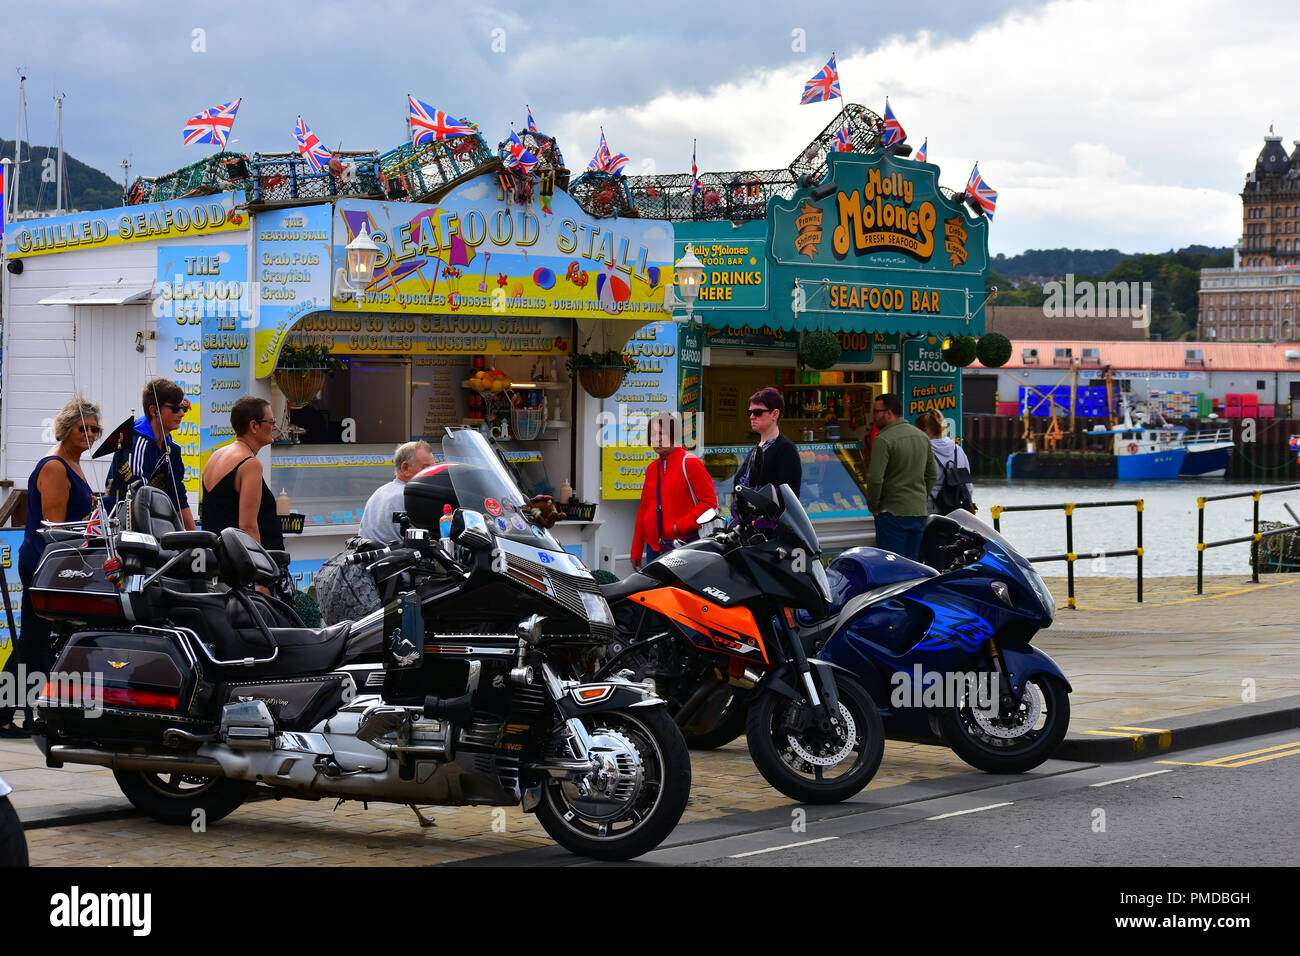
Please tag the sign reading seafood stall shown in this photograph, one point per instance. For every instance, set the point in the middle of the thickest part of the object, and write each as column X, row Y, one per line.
column 175, row 219
column 478, row 252
column 293, row 274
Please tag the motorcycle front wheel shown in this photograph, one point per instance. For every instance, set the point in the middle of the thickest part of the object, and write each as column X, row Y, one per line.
column 176, row 798
column 1017, row 738
column 636, row 796
column 810, row 763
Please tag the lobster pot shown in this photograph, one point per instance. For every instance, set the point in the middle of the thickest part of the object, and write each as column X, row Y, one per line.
column 528, row 423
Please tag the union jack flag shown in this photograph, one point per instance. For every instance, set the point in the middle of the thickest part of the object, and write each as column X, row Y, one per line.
column 824, row 86
column 532, row 127
column 212, row 126
column 603, row 161
column 695, row 171
column 429, row 125
column 981, row 192
column 517, row 156
column 309, row 144
column 843, row 143
column 893, row 132
column 920, row 153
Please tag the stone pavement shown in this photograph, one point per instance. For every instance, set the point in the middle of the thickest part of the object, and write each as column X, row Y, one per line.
column 1158, row 675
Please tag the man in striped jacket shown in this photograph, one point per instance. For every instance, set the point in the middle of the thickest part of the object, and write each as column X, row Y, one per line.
column 150, row 453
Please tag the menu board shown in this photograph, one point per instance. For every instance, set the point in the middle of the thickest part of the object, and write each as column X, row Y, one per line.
column 293, row 273
column 437, row 396
column 203, row 314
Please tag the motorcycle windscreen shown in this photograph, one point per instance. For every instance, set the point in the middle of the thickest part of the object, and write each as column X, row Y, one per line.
column 971, row 523
column 794, row 526
column 482, row 482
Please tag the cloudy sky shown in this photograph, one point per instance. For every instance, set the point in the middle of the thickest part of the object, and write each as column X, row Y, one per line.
column 1102, row 123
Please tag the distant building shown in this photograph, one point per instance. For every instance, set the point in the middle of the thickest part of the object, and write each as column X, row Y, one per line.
column 1259, row 298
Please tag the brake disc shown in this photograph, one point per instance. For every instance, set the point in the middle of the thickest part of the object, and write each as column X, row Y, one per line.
column 1018, row 723
column 848, row 735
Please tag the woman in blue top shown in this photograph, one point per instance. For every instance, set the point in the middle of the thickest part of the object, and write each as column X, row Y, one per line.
column 56, row 491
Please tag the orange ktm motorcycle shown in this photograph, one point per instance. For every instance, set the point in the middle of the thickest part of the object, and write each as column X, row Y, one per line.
column 708, row 625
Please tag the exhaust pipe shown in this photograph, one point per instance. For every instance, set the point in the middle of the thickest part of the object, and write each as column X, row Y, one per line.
column 59, row 754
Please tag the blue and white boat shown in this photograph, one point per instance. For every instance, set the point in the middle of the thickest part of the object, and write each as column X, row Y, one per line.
column 1208, row 453
column 1144, row 454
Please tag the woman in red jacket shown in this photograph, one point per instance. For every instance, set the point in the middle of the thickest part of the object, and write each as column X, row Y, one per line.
column 676, row 492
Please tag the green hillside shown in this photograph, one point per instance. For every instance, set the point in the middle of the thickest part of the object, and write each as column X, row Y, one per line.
column 87, row 188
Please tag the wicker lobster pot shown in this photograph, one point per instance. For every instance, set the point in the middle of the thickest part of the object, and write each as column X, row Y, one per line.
column 300, row 385
column 601, row 382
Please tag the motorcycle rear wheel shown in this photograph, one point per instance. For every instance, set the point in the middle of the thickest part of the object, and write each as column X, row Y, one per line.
column 175, row 798
column 795, row 760
column 730, row 726
column 652, row 814
column 983, row 751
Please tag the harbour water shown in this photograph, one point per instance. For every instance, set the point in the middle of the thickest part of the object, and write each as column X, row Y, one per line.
column 1168, row 523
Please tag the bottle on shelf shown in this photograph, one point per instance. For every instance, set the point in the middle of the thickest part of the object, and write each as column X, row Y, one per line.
column 565, row 493
column 282, row 504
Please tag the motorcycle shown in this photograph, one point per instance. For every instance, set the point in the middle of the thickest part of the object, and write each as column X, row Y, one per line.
column 706, row 625
column 947, row 652
column 209, row 688
column 13, row 845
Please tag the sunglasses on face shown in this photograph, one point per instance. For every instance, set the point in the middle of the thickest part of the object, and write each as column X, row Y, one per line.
column 758, row 412
column 266, row 421
column 182, row 408
column 91, row 430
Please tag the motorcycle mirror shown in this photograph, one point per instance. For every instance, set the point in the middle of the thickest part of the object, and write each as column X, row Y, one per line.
column 710, row 515
column 469, row 528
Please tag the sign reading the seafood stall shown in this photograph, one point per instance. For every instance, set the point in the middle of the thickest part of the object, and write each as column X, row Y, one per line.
column 174, row 219
column 293, row 273
column 476, row 252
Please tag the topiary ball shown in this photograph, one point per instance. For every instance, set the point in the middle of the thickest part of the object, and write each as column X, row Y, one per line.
column 307, row 609
column 604, row 577
column 820, row 349
column 994, row 350
column 960, row 351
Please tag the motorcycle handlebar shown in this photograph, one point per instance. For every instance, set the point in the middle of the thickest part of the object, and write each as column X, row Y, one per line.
column 361, row 557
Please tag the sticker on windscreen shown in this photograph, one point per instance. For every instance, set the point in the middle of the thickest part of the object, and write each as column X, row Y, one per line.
column 502, row 525
column 518, row 523
column 492, row 506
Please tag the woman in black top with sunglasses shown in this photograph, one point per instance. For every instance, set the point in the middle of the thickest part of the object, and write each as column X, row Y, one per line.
column 775, row 460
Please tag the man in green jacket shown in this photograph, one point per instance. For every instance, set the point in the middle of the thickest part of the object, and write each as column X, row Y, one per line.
column 899, row 479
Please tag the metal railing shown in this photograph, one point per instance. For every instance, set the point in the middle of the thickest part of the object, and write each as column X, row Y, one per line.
column 1254, row 537
column 1069, row 557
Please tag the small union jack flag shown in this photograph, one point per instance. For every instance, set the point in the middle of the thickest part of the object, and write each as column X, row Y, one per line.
column 981, row 192
column 429, row 125
column 532, row 127
column 517, row 156
column 893, row 131
column 212, row 126
column 695, row 171
column 824, row 86
column 606, row 162
column 920, row 153
column 843, row 141
column 309, row 144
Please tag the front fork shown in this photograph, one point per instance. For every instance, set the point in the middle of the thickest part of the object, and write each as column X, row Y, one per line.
column 825, row 699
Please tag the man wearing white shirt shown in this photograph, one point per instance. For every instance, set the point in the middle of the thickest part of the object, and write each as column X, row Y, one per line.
column 377, row 520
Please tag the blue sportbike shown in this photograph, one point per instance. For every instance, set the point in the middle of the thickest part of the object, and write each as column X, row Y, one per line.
column 948, row 651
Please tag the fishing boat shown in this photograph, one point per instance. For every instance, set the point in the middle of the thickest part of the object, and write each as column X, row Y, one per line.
column 1208, row 453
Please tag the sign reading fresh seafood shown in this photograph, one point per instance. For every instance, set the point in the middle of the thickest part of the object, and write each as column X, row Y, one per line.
column 478, row 252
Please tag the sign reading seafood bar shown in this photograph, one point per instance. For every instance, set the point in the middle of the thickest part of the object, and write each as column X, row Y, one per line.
column 476, row 252
column 97, row 230
column 886, row 245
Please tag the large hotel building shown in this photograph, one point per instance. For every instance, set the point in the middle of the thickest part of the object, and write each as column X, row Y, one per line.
column 1259, row 298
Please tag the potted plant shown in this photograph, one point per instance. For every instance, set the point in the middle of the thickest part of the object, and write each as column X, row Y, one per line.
column 600, row 373
column 301, row 371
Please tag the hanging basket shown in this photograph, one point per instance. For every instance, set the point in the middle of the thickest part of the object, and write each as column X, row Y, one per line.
column 300, row 385
column 601, row 382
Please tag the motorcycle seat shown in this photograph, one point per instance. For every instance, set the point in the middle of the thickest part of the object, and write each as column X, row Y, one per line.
column 634, row 582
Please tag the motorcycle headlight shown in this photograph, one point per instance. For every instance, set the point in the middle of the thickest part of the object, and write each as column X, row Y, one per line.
column 823, row 585
column 597, row 608
column 1049, row 603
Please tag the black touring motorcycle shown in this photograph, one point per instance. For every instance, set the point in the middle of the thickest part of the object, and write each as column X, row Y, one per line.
column 461, row 692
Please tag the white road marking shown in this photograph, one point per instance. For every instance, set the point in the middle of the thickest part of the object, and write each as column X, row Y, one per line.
column 787, row 846
column 958, row 813
column 1136, row 776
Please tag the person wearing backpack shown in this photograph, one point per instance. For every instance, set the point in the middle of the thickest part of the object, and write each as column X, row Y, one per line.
column 954, row 488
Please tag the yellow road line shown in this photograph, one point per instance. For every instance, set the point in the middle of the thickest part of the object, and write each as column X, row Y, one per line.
column 1232, row 761
column 1145, row 730
column 1112, row 733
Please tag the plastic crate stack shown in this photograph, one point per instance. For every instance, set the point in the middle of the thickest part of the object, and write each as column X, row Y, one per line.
column 1089, row 401
column 1176, row 404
